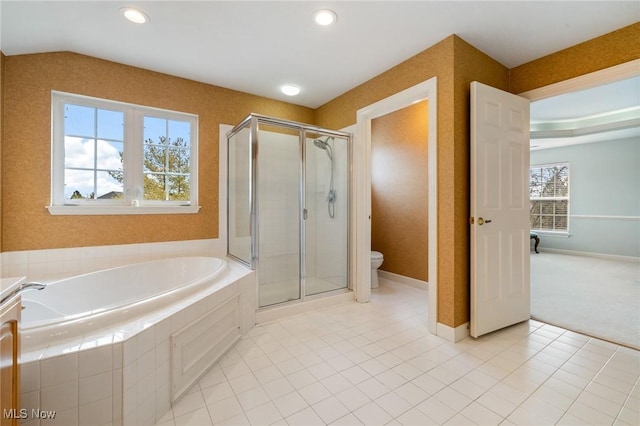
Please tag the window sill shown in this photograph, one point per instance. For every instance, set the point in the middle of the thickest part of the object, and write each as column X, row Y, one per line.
column 79, row 210
column 560, row 234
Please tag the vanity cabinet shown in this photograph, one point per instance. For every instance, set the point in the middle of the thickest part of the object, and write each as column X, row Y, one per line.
column 9, row 368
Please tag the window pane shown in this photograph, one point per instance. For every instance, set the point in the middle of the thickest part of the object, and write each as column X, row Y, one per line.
column 535, row 207
column 154, row 128
column 78, row 184
column 108, row 188
column 547, row 207
column 535, row 221
column 561, row 223
column 110, row 125
column 548, row 182
column 535, row 182
column 154, row 158
column 167, row 159
column 179, row 188
column 180, row 130
column 79, row 120
column 79, row 152
column 546, row 222
column 562, row 207
column 110, row 155
column 562, row 182
column 154, row 186
column 178, row 159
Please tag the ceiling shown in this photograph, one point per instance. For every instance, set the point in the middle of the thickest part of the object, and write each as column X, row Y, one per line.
column 607, row 112
column 256, row 47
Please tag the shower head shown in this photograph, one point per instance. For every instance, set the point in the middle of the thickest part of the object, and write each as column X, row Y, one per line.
column 322, row 144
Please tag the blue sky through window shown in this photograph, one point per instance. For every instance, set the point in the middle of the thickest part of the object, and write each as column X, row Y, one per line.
column 93, row 141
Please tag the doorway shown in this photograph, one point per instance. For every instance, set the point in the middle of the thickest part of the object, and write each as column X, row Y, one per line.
column 589, row 263
column 363, row 175
column 399, row 196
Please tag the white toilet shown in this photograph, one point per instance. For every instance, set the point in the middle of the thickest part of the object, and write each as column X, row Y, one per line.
column 376, row 262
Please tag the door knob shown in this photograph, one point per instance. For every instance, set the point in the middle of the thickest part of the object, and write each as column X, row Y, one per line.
column 482, row 221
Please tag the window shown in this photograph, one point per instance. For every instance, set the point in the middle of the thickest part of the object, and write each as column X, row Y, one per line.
column 117, row 158
column 549, row 195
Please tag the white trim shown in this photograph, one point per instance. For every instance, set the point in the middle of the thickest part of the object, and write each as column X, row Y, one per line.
column 604, row 217
column 401, row 279
column 453, row 334
column 549, row 233
column 83, row 209
column 133, row 146
column 590, row 254
column 353, row 272
column 596, row 78
column 362, row 174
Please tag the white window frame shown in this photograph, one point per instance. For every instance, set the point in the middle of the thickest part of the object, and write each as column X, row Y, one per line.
column 567, row 198
column 132, row 202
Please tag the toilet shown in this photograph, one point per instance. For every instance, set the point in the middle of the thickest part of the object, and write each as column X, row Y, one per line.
column 376, row 262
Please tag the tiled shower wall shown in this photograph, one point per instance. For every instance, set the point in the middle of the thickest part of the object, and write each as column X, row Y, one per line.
column 278, row 191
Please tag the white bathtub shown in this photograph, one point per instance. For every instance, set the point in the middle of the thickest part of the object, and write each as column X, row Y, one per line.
column 70, row 308
column 127, row 342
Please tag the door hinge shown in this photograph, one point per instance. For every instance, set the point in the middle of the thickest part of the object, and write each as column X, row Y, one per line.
column 471, row 220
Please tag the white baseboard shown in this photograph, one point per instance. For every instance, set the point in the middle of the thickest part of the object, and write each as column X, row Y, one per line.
column 589, row 254
column 422, row 285
column 277, row 312
column 453, row 334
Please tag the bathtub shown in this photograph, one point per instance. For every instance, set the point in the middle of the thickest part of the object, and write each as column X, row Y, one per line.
column 70, row 308
column 127, row 342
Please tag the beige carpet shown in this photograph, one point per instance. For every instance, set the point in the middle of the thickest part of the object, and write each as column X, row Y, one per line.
column 595, row 296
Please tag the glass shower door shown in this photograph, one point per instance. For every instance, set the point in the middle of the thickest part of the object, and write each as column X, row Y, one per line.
column 239, row 195
column 327, row 206
column 279, row 193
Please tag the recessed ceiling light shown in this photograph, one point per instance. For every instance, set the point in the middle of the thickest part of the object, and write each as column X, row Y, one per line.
column 134, row 15
column 325, row 17
column 290, row 90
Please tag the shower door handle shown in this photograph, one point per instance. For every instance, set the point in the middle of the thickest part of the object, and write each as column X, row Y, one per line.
column 304, row 214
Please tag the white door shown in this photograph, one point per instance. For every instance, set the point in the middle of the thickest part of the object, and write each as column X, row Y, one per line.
column 500, row 282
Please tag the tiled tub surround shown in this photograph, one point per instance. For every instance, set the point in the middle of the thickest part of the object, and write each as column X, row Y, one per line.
column 55, row 263
column 123, row 375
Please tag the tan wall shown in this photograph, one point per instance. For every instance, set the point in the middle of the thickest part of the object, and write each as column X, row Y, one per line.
column 455, row 63
column 26, row 150
column 399, row 190
column 611, row 49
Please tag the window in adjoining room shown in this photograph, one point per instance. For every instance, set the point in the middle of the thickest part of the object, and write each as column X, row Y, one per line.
column 117, row 158
column 549, row 196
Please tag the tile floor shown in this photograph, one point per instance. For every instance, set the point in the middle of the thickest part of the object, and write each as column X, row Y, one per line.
column 376, row 364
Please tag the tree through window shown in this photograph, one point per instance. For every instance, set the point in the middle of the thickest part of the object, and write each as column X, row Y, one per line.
column 549, row 196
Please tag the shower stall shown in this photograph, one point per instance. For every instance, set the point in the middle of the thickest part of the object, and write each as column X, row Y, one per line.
column 288, row 207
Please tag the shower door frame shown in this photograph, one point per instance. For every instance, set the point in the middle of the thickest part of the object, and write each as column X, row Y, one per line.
column 252, row 121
